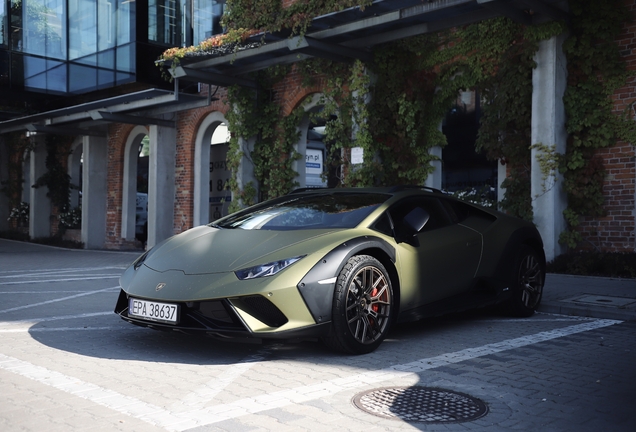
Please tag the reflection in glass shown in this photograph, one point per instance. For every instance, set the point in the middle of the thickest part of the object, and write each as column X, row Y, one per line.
column 166, row 22
column 3, row 17
column 82, row 16
column 39, row 27
column 207, row 19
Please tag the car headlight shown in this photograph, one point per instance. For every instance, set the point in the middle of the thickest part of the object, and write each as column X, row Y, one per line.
column 268, row 269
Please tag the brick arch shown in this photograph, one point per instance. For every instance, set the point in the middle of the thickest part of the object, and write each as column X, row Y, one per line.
column 189, row 123
column 298, row 96
column 290, row 93
column 118, row 138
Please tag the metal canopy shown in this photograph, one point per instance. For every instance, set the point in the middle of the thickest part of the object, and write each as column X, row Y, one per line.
column 350, row 34
column 84, row 119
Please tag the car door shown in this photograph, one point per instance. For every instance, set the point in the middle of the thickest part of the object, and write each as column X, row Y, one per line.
column 446, row 254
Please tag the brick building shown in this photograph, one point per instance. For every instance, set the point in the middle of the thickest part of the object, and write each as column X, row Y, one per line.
column 109, row 120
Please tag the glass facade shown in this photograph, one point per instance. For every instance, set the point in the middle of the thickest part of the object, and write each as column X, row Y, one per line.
column 77, row 46
column 183, row 22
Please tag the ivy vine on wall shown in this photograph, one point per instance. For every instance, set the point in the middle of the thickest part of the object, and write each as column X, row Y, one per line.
column 17, row 147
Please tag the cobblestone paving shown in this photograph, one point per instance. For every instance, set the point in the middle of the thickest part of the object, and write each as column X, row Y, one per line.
column 67, row 363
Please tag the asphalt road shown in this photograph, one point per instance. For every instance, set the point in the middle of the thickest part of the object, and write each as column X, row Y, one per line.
column 68, row 363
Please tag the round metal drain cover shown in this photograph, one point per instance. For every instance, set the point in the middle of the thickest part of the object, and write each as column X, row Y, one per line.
column 421, row 404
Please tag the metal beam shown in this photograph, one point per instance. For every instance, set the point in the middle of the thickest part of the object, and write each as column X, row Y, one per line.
column 131, row 119
column 184, row 106
column 134, row 105
column 424, row 28
column 548, row 10
column 210, row 78
column 264, row 64
column 316, row 48
column 33, row 127
column 505, row 8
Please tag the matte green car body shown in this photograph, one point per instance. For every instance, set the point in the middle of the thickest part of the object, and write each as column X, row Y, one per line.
column 459, row 266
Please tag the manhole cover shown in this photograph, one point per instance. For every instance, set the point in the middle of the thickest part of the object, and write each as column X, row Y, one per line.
column 620, row 302
column 420, row 404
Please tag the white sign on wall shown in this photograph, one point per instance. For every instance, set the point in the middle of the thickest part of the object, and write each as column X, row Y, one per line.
column 314, row 167
column 313, row 162
column 357, row 155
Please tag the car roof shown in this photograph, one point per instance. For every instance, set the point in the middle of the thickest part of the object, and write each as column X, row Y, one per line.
column 382, row 189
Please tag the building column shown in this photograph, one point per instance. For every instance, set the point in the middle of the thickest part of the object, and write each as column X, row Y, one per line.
column 161, row 188
column 94, row 191
column 502, row 174
column 5, row 209
column 40, row 204
column 549, row 80
column 434, row 179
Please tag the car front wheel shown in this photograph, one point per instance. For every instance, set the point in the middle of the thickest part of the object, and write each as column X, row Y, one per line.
column 362, row 306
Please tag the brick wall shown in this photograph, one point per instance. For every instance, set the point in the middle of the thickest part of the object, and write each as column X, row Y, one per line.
column 615, row 230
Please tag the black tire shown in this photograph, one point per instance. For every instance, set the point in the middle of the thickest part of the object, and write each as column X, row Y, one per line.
column 528, row 285
column 362, row 306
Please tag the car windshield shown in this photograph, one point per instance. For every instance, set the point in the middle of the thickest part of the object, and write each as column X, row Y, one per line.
column 298, row 212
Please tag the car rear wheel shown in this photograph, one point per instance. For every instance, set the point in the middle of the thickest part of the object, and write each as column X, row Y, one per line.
column 528, row 288
column 362, row 306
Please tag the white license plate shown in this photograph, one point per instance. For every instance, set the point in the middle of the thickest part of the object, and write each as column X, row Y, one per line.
column 153, row 311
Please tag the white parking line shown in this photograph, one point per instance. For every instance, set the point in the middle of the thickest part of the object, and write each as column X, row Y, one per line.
column 206, row 393
column 26, row 325
column 204, row 416
column 56, row 329
column 58, row 300
column 55, row 318
column 12, row 273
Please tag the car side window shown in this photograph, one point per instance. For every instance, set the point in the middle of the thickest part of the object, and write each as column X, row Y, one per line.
column 439, row 218
column 383, row 225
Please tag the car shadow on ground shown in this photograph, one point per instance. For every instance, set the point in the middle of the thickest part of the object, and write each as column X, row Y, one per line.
column 108, row 337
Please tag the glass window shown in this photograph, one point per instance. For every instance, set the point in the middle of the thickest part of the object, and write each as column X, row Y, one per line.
column 3, row 22
column 125, row 58
column 125, row 21
column 43, row 74
column 207, row 19
column 39, row 27
column 106, row 28
column 105, row 78
column 167, row 21
column 313, row 211
column 82, row 78
column 82, row 17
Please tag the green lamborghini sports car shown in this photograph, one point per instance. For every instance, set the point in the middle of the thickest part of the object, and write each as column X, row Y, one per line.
column 341, row 265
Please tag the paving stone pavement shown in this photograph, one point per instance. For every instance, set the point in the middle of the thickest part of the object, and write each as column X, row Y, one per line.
column 67, row 363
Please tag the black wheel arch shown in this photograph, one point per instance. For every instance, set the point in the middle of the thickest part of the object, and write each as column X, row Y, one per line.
column 319, row 296
column 528, row 236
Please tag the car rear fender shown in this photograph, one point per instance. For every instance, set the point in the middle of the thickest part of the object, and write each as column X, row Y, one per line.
column 502, row 265
column 318, row 285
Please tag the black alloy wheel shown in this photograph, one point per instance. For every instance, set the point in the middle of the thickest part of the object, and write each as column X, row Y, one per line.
column 362, row 308
column 528, row 289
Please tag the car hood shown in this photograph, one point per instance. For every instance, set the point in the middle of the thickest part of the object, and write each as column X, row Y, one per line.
column 206, row 250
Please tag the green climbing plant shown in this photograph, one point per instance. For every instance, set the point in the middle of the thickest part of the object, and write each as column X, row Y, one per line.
column 595, row 71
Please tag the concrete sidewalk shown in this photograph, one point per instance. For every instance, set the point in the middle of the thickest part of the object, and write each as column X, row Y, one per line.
column 596, row 297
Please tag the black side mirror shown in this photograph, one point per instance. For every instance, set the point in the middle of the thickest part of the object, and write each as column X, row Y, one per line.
column 414, row 221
